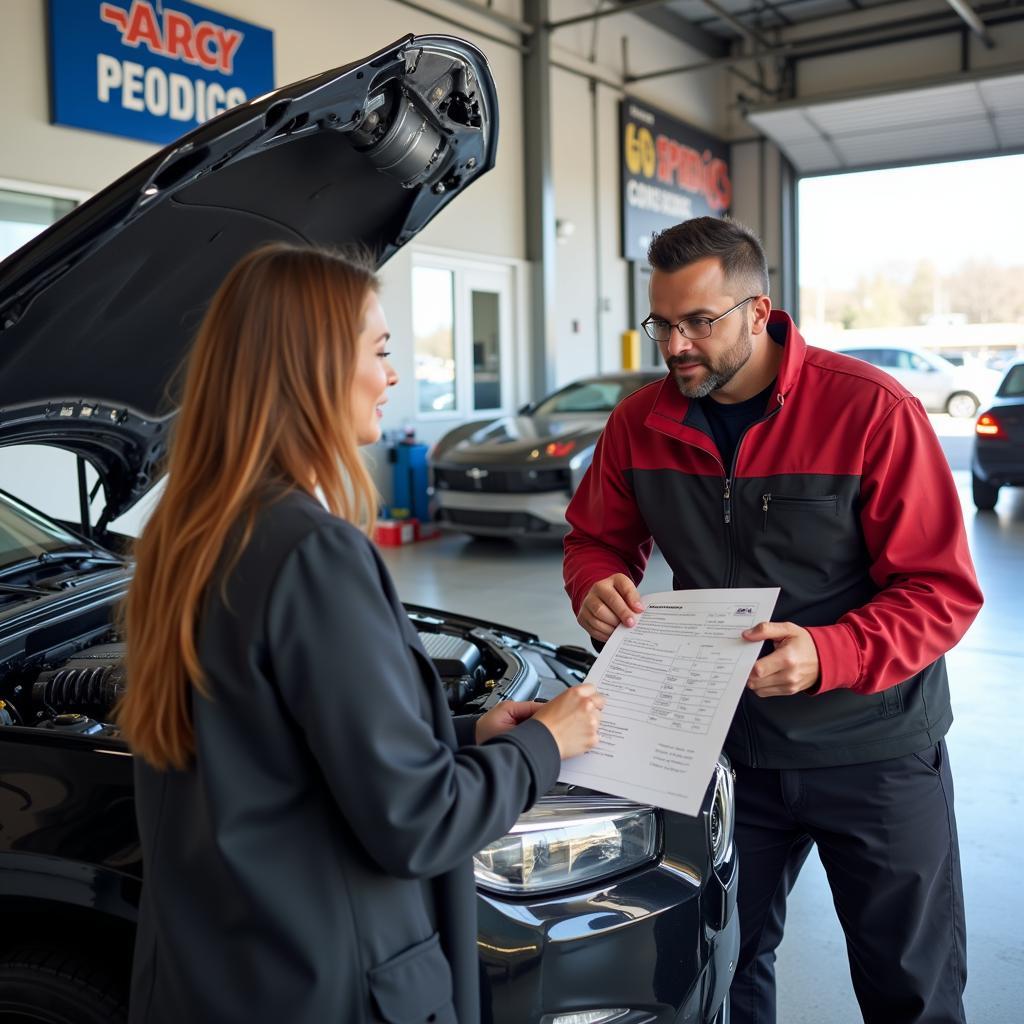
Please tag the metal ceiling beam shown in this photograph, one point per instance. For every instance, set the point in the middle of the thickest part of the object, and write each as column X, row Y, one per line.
column 654, row 13
column 779, row 5
column 625, row 7
column 741, row 27
column 876, row 35
column 970, row 18
column 540, row 200
column 522, row 27
column 685, row 31
column 773, row 8
column 482, row 33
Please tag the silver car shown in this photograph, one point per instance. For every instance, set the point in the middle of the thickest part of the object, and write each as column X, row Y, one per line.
column 939, row 384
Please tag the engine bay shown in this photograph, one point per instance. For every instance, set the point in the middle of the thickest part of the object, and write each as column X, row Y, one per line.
column 73, row 689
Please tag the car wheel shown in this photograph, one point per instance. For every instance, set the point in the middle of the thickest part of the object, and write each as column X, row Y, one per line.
column 962, row 405
column 984, row 494
column 44, row 985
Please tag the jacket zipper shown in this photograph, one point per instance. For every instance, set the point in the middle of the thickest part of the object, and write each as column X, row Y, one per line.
column 727, row 495
column 731, row 564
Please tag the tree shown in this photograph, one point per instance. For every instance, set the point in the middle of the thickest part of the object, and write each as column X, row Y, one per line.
column 922, row 296
column 880, row 303
column 987, row 293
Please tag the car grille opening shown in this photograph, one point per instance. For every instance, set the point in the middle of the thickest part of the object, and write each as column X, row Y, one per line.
column 504, row 481
column 517, row 522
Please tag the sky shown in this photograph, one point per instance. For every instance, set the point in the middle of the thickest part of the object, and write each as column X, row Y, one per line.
column 853, row 224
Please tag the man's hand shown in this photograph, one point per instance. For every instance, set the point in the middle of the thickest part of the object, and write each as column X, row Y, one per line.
column 609, row 602
column 504, row 716
column 791, row 668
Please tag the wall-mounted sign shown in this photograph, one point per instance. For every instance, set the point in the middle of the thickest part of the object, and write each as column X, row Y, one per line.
column 151, row 69
column 670, row 173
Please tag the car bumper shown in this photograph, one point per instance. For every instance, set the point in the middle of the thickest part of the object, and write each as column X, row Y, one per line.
column 999, row 463
column 502, row 515
column 659, row 945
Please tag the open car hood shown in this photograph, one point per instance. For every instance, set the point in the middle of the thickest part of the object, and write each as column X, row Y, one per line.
column 97, row 313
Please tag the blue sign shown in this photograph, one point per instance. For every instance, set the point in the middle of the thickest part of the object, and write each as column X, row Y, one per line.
column 151, row 69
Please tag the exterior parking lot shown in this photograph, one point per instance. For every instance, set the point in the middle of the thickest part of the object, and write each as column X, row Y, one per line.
column 521, row 583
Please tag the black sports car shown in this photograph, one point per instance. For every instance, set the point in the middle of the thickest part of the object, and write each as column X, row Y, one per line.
column 515, row 475
column 998, row 456
column 592, row 909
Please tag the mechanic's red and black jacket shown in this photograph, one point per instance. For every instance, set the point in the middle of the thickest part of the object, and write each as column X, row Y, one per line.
column 841, row 496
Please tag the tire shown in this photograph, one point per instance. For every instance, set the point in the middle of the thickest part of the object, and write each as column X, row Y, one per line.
column 962, row 405
column 984, row 494
column 46, row 985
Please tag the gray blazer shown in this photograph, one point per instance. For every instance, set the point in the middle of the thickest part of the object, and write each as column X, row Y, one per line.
column 313, row 865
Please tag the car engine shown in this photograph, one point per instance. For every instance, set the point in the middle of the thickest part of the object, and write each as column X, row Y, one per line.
column 76, row 694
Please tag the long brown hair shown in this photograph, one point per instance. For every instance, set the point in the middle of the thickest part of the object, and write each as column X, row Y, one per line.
column 266, row 400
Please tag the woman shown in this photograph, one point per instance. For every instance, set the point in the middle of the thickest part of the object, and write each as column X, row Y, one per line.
column 308, row 810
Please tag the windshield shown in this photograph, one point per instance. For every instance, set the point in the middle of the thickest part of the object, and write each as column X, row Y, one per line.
column 24, row 533
column 1013, row 383
column 589, row 396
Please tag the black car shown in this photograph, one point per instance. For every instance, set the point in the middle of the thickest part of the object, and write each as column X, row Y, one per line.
column 998, row 456
column 592, row 909
column 514, row 476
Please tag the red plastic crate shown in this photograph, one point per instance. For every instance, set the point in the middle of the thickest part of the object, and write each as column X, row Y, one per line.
column 393, row 533
column 427, row 531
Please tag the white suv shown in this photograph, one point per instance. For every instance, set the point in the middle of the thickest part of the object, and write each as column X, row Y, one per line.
column 941, row 386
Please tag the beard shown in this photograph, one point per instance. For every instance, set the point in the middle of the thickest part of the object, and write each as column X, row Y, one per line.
column 719, row 372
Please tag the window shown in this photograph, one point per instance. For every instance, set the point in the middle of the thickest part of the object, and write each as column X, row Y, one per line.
column 1013, row 383
column 462, row 326
column 24, row 214
column 887, row 358
column 433, row 328
column 586, row 396
column 486, row 327
column 906, row 360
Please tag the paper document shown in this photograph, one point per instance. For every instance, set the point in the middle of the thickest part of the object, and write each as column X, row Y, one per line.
column 672, row 684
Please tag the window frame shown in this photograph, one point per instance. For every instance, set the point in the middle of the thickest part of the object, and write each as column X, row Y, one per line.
column 470, row 274
column 31, row 188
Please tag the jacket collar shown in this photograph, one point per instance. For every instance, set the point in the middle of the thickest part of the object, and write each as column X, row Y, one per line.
column 679, row 417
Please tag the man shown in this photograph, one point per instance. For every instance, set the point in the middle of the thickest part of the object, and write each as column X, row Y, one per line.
column 761, row 461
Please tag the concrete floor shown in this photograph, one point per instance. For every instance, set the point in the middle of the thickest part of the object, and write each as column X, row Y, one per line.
column 520, row 584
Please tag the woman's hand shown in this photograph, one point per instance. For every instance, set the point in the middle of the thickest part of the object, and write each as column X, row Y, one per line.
column 573, row 718
column 504, row 716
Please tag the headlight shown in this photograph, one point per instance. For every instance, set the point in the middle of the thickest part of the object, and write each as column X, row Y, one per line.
column 722, row 819
column 579, row 464
column 566, row 841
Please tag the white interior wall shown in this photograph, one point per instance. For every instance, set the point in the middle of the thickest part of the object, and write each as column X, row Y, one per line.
column 893, row 65
column 592, row 301
column 756, row 188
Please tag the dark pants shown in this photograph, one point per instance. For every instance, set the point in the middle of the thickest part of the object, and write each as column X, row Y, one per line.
column 887, row 840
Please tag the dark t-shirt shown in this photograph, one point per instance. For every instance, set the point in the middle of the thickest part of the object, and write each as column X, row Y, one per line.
column 728, row 421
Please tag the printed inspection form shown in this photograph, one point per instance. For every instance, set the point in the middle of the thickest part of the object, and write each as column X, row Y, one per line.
column 671, row 685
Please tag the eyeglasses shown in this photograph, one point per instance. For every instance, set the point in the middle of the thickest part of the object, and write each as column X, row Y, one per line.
column 696, row 328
